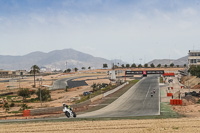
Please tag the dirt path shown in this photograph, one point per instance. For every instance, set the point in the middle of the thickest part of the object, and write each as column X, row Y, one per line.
column 183, row 125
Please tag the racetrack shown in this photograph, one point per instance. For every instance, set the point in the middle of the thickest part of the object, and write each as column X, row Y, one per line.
column 137, row 101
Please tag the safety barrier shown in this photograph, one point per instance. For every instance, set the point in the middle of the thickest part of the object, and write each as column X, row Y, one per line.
column 26, row 113
column 175, row 101
column 181, row 87
column 169, row 94
column 169, row 74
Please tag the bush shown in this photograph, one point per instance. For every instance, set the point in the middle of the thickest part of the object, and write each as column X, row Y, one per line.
column 24, row 106
column 12, row 104
column 45, row 94
column 25, row 93
column 32, row 92
column 6, row 106
column 66, row 88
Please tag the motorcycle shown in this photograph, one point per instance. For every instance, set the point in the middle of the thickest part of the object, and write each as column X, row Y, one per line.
column 68, row 112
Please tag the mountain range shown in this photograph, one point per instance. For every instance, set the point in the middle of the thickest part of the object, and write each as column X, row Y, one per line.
column 180, row 61
column 67, row 58
column 54, row 60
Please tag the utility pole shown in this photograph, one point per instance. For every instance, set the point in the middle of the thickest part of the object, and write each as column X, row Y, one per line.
column 19, row 82
column 40, row 84
column 66, row 66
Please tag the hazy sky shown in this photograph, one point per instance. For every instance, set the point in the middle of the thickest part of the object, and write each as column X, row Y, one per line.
column 131, row 30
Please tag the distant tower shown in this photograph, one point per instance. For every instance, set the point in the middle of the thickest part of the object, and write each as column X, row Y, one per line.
column 113, row 75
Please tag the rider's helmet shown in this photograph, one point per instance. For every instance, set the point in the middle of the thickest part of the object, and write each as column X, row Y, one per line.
column 64, row 105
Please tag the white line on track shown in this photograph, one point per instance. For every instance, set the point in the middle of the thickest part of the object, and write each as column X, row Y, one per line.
column 146, row 95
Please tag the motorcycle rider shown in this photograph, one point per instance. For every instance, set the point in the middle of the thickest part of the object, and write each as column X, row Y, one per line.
column 67, row 106
column 68, row 111
column 151, row 93
column 154, row 91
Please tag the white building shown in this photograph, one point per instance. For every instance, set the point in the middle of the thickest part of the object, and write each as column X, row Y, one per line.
column 194, row 57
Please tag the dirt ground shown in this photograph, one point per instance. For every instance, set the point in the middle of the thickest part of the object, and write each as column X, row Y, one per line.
column 183, row 125
column 27, row 82
column 192, row 81
column 190, row 107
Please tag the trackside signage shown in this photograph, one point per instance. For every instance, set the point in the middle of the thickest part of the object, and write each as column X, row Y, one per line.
column 145, row 72
column 155, row 72
column 134, row 72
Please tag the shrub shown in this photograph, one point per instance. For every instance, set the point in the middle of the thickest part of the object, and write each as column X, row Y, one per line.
column 12, row 104
column 25, row 93
column 24, row 106
column 45, row 94
column 66, row 88
column 32, row 92
column 6, row 106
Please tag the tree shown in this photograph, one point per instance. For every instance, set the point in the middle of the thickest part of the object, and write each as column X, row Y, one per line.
column 45, row 94
column 185, row 65
column 127, row 65
column 159, row 65
column 75, row 69
column 140, row 65
column 34, row 70
column 172, row 65
column 83, row 68
column 105, row 65
column 133, row 65
column 94, row 86
column 177, row 65
column 68, row 70
column 194, row 71
column 152, row 65
column 89, row 67
column 146, row 65
column 122, row 65
column 24, row 92
column 165, row 65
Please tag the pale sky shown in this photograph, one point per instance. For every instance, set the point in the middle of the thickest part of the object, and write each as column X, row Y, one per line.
column 131, row 30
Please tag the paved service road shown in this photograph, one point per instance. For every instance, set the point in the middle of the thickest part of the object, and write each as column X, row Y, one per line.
column 137, row 101
column 62, row 83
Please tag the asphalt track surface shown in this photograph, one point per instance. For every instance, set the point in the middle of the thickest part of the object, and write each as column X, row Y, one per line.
column 137, row 101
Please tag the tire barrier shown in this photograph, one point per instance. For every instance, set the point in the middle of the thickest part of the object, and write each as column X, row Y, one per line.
column 26, row 113
column 169, row 94
column 176, row 102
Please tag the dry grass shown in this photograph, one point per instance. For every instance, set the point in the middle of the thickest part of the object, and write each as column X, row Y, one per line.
column 182, row 125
